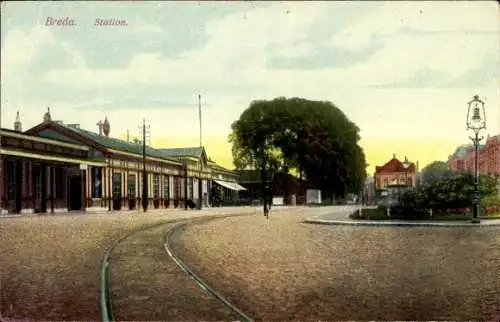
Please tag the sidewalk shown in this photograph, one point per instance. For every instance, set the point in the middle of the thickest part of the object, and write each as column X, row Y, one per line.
column 207, row 210
column 342, row 218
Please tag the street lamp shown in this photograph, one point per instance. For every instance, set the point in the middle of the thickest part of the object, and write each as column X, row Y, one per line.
column 406, row 165
column 476, row 121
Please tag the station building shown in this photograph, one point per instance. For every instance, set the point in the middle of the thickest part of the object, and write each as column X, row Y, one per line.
column 57, row 167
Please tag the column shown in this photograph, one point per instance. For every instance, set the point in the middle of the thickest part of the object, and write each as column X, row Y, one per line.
column 109, row 179
column 161, row 194
column 150, row 188
column 171, row 190
column 2, row 185
column 43, row 187
column 124, row 199
column 88, row 184
column 83, row 183
column 31, row 198
column 24, row 183
column 52, row 188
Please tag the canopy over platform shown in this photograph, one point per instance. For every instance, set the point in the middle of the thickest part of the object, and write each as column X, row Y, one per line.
column 230, row 185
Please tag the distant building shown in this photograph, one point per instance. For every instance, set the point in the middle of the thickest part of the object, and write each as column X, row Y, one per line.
column 291, row 188
column 395, row 173
column 393, row 177
column 462, row 160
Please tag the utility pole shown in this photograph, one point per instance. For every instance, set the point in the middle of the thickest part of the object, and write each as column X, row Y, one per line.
column 200, row 179
column 145, row 133
column 185, row 185
column 1, row 172
column 199, row 117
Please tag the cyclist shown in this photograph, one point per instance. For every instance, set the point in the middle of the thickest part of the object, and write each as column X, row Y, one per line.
column 268, row 199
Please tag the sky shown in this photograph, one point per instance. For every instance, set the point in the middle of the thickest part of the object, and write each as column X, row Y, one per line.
column 402, row 71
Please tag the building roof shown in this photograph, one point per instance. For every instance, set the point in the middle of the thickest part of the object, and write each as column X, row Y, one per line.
column 117, row 144
column 394, row 165
column 215, row 166
column 182, row 152
column 171, row 155
column 23, row 136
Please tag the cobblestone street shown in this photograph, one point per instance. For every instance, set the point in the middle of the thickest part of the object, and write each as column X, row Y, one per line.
column 292, row 271
column 49, row 267
column 277, row 270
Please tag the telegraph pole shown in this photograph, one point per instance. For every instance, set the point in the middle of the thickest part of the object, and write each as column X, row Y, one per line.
column 199, row 117
column 145, row 133
column 185, row 185
column 200, row 179
column 1, row 171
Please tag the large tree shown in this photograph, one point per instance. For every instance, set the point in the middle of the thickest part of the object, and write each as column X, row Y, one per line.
column 434, row 172
column 314, row 138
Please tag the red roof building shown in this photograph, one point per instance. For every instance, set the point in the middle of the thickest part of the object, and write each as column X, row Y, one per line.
column 395, row 173
column 462, row 160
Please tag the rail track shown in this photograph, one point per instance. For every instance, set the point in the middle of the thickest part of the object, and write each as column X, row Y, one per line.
column 106, row 306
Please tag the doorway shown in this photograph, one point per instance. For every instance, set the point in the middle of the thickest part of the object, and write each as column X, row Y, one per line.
column 117, row 191
column 38, row 174
column 75, row 193
column 13, row 185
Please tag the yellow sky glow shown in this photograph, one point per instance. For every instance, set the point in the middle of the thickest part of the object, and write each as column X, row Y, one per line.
column 378, row 151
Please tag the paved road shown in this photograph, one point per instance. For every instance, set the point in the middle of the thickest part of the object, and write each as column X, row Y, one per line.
column 49, row 265
column 292, row 271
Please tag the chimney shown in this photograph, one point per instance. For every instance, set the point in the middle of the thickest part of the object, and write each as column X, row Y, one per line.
column 394, row 155
column 17, row 124
column 100, row 125
column 128, row 136
column 75, row 126
column 106, row 127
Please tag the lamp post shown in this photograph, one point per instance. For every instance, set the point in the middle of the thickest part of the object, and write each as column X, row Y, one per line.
column 406, row 165
column 476, row 121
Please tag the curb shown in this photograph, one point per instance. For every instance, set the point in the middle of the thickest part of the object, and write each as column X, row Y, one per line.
column 397, row 223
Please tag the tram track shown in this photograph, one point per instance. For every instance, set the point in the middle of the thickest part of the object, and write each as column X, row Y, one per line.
column 173, row 226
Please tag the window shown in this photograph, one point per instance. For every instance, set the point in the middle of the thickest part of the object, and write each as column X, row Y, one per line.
column 166, row 187
column 96, row 178
column 10, row 182
column 117, row 185
column 410, row 181
column 131, row 186
column 156, row 186
column 176, row 188
column 190, row 188
column 59, row 182
column 386, row 182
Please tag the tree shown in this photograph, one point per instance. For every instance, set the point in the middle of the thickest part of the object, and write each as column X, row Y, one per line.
column 313, row 138
column 447, row 193
column 435, row 171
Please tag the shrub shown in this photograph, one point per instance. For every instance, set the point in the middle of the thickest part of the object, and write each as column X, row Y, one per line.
column 447, row 195
column 491, row 204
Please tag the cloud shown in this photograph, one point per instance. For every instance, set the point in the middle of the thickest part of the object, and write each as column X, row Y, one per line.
column 387, row 65
column 423, row 78
column 322, row 57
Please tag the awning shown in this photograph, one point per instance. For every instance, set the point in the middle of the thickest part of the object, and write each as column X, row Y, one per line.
column 230, row 185
column 50, row 158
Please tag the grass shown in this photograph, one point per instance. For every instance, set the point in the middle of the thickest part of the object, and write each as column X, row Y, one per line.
column 379, row 214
